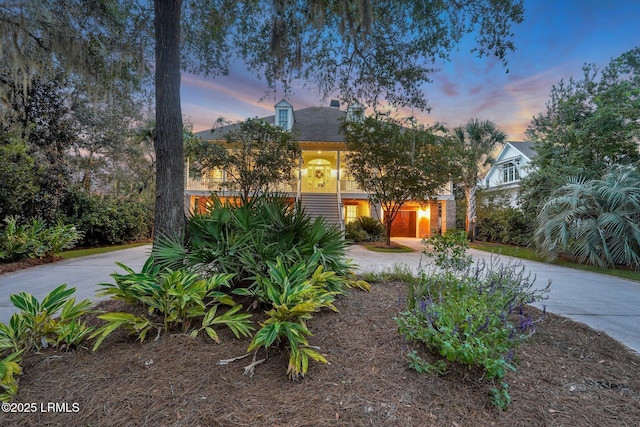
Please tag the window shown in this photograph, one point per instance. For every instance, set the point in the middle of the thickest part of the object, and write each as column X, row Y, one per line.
column 283, row 119
column 510, row 172
column 351, row 214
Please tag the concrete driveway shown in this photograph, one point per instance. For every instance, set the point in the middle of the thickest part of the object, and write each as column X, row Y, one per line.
column 84, row 274
column 603, row 302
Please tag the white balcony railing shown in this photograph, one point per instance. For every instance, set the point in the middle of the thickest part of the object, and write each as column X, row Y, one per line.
column 205, row 184
column 218, row 185
column 349, row 186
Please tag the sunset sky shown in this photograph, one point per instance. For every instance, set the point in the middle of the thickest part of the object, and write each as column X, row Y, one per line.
column 555, row 40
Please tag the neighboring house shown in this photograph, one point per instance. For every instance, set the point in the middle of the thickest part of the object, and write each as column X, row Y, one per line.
column 511, row 165
column 323, row 184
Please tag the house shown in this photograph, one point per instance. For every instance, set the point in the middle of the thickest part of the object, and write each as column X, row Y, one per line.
column 323, row 183
column 511, row 165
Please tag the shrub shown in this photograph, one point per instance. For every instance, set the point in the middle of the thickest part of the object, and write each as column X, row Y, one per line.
column 293, row 299
column 375, row 229
column 243, row 239
column 595, row 221
column 365, row 229
column 507, row 225
column 449, row 250
column 35, row 239
column 107, row 219
column 354, row 233
column 468, row 320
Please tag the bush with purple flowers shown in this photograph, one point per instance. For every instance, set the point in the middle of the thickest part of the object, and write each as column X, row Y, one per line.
column 475, row 319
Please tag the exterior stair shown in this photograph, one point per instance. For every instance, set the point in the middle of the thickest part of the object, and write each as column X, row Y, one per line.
column 322, row 204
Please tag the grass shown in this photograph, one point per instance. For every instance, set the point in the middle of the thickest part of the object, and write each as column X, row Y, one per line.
column 395, row 247
column 532, row 255
column 76, row 253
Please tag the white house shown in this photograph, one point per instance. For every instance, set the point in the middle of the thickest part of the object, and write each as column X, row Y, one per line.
column 323, row 182
column 511, row 165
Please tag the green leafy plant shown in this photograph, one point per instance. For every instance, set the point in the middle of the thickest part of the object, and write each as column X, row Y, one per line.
column 38, row 325
column 240, row 239
column 467, row 320
column 9, row 368
column 449, row 250
column 596, row 221
column 365, row 229
column 354, row 233
column 293, row 298
column 139, row 326
column 72, row 334
column 239, row 323
column 35, row 239
column 12, row 335
column 177, row 297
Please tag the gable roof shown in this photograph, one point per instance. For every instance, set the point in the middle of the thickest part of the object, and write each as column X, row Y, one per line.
column 523, row 147
column 312, row 124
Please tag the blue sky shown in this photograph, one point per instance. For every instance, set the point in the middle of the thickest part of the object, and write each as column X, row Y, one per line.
column 554, row 41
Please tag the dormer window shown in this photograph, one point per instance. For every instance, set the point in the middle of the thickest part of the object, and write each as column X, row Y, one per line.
column 284, row 115
column 283, row 118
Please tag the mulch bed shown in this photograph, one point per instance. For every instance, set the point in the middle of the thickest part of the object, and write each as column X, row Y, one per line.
column 568, row 375
column 9, row 267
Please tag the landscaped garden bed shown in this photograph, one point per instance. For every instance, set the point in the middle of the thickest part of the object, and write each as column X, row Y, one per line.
column 568, row 374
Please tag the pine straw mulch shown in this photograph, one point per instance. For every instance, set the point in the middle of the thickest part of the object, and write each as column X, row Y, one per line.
column 10, row 267
column 568, row 375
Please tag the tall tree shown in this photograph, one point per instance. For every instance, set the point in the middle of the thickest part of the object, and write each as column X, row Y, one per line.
column 255, row 155
column 590, row 124
column 395, row 164
column 473, row 145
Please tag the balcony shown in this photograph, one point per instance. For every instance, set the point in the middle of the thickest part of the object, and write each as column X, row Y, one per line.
column 218, row 185
column 349, row 186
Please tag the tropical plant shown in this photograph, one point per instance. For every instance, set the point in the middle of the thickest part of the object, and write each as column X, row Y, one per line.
column 365, row 229
column 591, row 124
column 241, row 239
column 39, row 327
column 137, row 325
column 35, row 239
column 473, row 145
column 596, row 221
column 354, row 233
column 294, row 298
column 178, row 297
column 9, row 368
column 12, row 335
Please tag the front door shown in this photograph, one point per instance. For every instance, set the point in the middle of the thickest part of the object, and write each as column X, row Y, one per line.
column 404, row 224
column 319, row 177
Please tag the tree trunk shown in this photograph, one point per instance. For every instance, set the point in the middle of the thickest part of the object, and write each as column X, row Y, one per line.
column 169, row 213
column 470, row 195
column 388, row 220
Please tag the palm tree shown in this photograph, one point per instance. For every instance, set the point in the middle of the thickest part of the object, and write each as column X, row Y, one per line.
column 596, row 221
column 474, row 143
